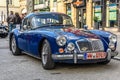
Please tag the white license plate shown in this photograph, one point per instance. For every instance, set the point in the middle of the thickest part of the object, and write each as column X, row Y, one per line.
column 96, row 55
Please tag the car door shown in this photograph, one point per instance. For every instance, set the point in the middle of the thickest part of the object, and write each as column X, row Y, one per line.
column 22, row 42
column 33, row 39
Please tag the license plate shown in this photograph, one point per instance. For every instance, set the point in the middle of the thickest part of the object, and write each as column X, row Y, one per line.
column 96, row 55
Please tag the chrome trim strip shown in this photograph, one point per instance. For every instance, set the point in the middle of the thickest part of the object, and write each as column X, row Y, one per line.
column 67, row 56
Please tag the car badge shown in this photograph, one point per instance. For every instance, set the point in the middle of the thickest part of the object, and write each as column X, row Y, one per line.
column 84, row 49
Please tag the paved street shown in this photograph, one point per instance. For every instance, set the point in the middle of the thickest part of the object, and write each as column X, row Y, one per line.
column 25, row 67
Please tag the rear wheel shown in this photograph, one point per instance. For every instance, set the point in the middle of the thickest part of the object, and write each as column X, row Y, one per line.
column 15, row 50
column 46, row 55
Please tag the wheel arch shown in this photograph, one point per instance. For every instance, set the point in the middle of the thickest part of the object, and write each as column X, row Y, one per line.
column 10, row 37
column 40, row 46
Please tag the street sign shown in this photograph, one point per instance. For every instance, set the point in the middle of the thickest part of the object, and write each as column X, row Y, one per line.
column 78, row 3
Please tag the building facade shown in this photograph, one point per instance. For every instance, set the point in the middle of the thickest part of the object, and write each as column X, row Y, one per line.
column 82, row 12
column 111, row 12
column 13, row 5
column 86, row 14
column 79, row 10
column 23, row 6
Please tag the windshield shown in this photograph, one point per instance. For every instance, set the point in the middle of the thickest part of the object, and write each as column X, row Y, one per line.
column 51, row 19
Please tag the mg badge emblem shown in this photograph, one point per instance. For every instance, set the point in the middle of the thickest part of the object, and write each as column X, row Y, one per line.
column 84, row 49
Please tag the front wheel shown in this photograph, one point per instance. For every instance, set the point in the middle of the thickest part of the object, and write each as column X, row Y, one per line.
column 46, row 56
column 15, row 50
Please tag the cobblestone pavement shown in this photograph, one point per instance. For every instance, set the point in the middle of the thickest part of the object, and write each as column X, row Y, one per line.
column 25, row 67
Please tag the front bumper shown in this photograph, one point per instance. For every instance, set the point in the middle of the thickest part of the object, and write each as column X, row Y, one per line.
column 76, row 58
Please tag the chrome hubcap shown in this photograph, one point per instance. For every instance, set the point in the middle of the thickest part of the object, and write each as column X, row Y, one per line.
column 13, row 45
column 44, row 54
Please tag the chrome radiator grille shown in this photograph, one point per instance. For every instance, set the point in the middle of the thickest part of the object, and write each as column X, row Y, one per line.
column 90, row 45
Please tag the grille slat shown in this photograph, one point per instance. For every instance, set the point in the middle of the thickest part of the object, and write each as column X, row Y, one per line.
column 90, row 45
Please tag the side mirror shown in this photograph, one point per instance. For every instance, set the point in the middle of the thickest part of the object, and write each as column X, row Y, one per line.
column 25, row 27
column 85, row 27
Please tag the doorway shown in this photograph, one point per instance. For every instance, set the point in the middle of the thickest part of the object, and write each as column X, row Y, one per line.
column 81, row 17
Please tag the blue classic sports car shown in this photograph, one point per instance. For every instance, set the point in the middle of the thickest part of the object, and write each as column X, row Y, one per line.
column 53, row 38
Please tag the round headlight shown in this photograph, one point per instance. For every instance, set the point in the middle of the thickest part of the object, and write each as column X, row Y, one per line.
column 113, row 38
column 70, row 46
column 61, row 40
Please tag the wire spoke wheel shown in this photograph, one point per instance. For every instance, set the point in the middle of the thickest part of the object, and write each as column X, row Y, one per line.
column 13, row 45
column 14, row 48
column 45, row 54
column 47, row 61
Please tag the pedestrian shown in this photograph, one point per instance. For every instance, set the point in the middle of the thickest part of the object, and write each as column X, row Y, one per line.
column 22, row 16
column 10, row 20
column 17, row 21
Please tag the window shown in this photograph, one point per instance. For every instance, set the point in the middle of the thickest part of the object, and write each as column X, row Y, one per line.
column 36, row 2
column 54, row 0
column 24, row 24
column 41, row 1
column 98, row 3
column 10, row 2
column 50, row 19
column 68, row 9
column 114, row 1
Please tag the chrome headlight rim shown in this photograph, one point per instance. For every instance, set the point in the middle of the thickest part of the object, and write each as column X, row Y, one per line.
column 71, row 46
column 113, row 38
column 61, row 40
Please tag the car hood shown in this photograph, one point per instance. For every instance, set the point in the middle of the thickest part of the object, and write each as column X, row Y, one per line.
column 71, row 32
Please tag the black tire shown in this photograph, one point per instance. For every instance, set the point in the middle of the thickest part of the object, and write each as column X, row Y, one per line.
column 47, row 61
column 4, row 36
column 15, row 50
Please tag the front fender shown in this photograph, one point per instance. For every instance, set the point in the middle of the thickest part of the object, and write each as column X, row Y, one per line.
column 14, row 32
column 52, row 41
column 104, row 35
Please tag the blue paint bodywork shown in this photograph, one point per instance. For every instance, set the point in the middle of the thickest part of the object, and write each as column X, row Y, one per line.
column 30, row 40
